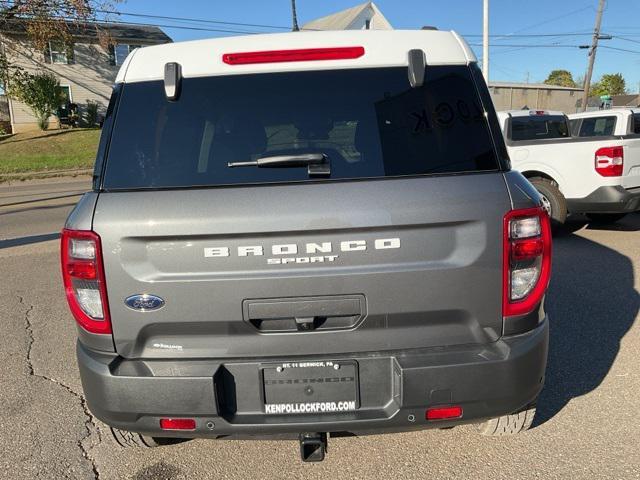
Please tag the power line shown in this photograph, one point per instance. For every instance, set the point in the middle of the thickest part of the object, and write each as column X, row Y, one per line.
column 171, row 18
column 620, row 49
column 549, row 45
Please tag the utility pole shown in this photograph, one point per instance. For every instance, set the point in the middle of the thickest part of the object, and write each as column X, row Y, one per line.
column 294, row 15
column 592, row 56
column 485, row 40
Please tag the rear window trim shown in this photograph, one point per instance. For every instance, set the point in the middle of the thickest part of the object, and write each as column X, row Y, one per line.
column 299, row 182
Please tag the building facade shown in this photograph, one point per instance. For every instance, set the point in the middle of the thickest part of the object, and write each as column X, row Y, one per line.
column 534, row 96
column 85, row 69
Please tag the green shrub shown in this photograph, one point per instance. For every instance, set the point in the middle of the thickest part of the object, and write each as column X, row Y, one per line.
column 40, row 91
column 92, row 113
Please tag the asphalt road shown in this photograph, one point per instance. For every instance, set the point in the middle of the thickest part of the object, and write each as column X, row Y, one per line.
column 588, row 425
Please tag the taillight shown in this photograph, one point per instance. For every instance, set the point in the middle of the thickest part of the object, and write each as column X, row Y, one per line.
column 526, row 261
column 83, row 277
column 610, row 161
column 299, row 55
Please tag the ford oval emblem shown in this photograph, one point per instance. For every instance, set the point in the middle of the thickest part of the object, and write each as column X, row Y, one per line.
column 144, row 303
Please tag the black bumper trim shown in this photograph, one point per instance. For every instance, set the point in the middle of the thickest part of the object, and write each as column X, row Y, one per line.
column 612, row 199
column 486, row 380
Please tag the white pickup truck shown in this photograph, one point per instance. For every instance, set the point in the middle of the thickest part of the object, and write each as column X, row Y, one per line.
column 584, row 163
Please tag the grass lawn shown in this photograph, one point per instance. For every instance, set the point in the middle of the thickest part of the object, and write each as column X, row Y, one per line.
column 49, row 150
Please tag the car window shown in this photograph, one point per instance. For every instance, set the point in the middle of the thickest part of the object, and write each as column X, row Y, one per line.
column 369, row 123
column 538, row 127
column 636, row 123
column 597, row 126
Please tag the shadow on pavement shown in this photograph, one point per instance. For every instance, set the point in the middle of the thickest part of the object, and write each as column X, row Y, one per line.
column 41, row 207
column 592, row 303
column 16, row 242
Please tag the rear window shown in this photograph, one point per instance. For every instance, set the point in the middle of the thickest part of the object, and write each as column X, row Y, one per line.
column 368, row 122
column 636, row 123
column 597, row 126
column 538, row 127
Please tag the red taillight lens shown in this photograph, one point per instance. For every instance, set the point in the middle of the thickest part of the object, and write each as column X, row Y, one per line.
column 177, row 424
column 610, row 161
column 300, row 55
column 443, row 413
column 83, row 277
column 526, row 260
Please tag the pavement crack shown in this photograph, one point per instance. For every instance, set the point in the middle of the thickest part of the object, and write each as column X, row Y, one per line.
column 90, row 423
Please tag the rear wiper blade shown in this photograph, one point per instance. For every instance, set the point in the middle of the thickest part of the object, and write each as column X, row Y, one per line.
column 317, row 163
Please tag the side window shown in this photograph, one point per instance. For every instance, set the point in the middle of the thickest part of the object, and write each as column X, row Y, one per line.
column 574, row 125
column 597, row 126
column 636, row 123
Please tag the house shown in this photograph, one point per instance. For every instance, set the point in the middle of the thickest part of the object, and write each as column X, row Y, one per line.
column 632, row 100
column 366, row 16
column 536, row 96
column 85, row 69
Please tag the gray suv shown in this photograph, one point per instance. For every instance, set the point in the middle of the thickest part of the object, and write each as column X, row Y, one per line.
column 309, row 242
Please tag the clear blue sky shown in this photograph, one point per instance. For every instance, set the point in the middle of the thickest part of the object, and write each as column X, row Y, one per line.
column 507, row 17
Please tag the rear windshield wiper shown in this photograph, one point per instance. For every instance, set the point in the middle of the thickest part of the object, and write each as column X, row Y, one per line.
column 317, row 163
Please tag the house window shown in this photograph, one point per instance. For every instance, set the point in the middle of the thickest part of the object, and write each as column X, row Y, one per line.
column 59, row 53
column 119, row 51
column 367, row 24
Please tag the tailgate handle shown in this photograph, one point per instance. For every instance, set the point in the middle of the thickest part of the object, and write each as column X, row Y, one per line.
column 304, row 313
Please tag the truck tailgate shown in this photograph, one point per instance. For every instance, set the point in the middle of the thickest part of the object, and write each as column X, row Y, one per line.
column 406, row 263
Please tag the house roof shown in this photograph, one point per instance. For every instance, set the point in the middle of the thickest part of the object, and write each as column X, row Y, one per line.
column 544, row 86
column 118, row 31
column 626, row 100
column 343, row 19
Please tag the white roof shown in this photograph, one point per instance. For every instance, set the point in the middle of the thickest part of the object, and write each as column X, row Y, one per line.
column 383, row 48
column 615, row 111
column 531, row 111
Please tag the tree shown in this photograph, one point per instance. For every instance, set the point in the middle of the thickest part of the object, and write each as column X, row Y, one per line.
column 46, row 20
column 564, row 78
column 609, row 84
column 40, row 91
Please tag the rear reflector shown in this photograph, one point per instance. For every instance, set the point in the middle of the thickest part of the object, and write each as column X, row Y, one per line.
column 610, row 161
column 177, row 424
column 307, row 54
column 443, row 413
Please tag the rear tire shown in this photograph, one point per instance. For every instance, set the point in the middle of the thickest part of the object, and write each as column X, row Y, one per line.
column 509, row 424
column 128, row 439
column 552, row 199
column 605, row 217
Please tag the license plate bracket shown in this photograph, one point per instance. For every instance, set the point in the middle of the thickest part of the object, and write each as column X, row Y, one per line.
column 309, row 387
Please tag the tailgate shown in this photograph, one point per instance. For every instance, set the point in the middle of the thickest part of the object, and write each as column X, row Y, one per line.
column 336, row 267
column 631, row 176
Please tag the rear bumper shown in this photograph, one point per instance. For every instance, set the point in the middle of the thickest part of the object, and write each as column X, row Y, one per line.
column 612, row 199
column 395, row 389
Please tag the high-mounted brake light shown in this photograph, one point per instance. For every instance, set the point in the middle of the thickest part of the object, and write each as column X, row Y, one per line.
column 526, row 260
column 299, row 55
column 83, row 277
column 610, row 161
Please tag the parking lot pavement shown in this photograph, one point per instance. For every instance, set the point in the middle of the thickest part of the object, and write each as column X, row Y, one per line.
column 587, row 428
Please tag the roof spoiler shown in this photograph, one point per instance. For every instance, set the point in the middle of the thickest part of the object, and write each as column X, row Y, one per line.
column 417, row 65
column 172, row 80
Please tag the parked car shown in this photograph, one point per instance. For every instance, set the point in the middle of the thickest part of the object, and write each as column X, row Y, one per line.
column 597, row 175
column 306, row 234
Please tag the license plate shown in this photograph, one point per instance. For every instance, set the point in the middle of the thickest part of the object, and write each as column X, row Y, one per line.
column 310, row 387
